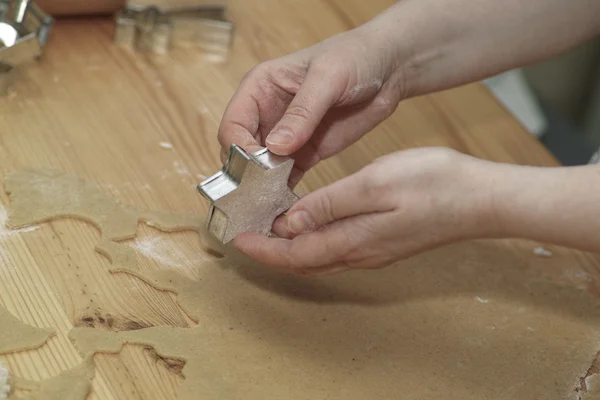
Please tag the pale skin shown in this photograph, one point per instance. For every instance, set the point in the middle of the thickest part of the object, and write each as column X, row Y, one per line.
column 314, row 103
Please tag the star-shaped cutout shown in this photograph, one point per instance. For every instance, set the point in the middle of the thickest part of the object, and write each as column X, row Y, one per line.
column 248, row 194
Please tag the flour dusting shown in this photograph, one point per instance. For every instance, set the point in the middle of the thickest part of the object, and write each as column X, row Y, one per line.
column 5, row 232
column 373, row 86
column 181, row 170
column 577, row 277
column 481, row 300
column 162, row 251
column 542, row 252
column 4, row 384
column 165, row 145
column 116, row 190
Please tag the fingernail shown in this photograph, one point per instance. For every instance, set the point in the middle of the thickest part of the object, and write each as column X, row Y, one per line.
column 281, row 137
column 300, row 222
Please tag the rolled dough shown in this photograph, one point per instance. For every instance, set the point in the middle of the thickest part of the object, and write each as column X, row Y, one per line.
column 74, row 384
column 17, row 336
column 39, row 196
column 464, row 322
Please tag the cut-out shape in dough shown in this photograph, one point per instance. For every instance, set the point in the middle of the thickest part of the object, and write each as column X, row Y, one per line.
column 17, row 336
column 123, row 260
column 246, row 332
column 416, row 329
column 190, row 345
column 74, row 384
column 38, row 196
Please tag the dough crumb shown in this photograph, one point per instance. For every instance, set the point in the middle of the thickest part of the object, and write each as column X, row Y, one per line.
column 166, row 145
column 542, row 252
column 481, row 300
column 4, row 384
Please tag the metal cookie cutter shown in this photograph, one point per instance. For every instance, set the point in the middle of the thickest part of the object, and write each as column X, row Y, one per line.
column 24, row 30
column 248, row 193
column 151, row 29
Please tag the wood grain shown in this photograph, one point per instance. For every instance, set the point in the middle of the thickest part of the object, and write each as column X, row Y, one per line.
column 99, row 112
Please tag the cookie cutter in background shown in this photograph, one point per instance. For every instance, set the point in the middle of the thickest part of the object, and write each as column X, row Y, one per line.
column 148, row 28
column 24, row 30
column 248, row 194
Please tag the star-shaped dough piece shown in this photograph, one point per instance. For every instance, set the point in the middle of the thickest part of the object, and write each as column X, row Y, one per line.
column 248, row 194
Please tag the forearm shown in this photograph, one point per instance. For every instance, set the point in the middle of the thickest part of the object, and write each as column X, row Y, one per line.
column 80, row 7
column 446, row 43
column 552, row 205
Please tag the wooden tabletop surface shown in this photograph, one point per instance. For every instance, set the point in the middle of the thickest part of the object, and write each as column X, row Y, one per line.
column 99, row 112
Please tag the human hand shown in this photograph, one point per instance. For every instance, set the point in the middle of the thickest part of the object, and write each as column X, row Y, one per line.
column 312, row 104
column 399, row 205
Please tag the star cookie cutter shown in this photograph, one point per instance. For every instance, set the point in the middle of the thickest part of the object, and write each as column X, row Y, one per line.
column 24, row 30
column 248, row 194
column 148, row 28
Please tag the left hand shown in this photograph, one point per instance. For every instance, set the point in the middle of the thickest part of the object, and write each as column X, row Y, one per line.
column 399, row 205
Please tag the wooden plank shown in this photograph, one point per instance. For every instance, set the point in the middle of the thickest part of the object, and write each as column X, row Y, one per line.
column 100, row 112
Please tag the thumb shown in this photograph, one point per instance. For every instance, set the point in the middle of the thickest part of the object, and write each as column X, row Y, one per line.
column 317, row 94
column 345, row 198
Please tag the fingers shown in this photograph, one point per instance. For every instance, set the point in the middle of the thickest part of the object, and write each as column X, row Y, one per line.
column 317, row 94
column 314, row 250
column 357, row 194
column 343, row 126
column 241, row 119
column 317, row 271
column 337, row 247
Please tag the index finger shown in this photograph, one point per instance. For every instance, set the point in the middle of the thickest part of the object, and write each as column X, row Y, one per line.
column 241, row 120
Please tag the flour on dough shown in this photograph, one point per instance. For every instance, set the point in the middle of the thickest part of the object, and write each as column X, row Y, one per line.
column 593, row 388
column 4, row 382
column 17, row 336
column 396, row 327
column 414, row 329
column 123, row 260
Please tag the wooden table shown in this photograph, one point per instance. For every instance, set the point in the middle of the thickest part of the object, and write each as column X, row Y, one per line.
column 99, row 112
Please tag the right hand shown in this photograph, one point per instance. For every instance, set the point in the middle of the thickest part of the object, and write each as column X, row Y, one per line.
column 314, row 103
column 401, row 204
